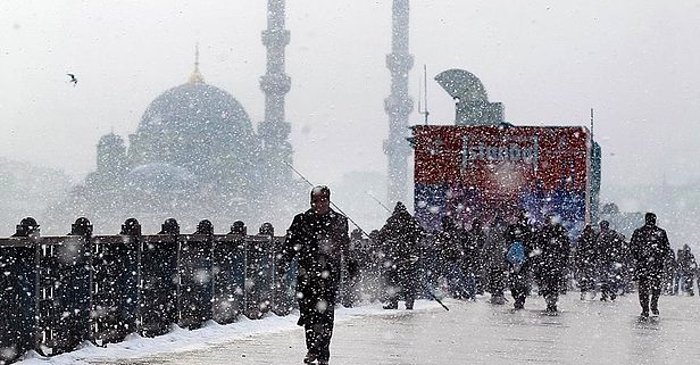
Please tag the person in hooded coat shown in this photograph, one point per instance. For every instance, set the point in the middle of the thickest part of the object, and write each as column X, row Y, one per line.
column 587, row 262
column 553, row 248
column 650, row 248
column 472, row 260
column 686, row 269
column 400, row 237
column 610, row 245
column 319, row 239
column 450, row 242
column 495, row 251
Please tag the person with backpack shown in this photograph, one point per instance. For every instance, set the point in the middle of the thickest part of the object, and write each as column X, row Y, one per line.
column 518, row 239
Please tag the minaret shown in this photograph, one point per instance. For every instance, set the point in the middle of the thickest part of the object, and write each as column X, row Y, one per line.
column 398, row 105
column 274, row 131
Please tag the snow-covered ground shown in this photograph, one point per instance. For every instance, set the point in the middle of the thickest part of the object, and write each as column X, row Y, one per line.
column 588, row 332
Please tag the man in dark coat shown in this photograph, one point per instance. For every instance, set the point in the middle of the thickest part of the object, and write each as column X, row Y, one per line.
column 495, row 251
column 553, row 251
column 649, row 247
column 399, row 237
column 319, row 239
column 472, row 262
column 521, row 233
column 587, row 262
column 450, row 241
column 610, row 245
column 686, row 269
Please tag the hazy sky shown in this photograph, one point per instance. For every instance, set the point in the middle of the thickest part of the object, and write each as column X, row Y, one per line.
column 636, row 62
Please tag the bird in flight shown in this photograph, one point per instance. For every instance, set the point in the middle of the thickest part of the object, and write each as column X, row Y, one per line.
column 73, row 79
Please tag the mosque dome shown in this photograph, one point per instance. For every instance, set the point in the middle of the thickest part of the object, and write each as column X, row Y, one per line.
column 192, row 126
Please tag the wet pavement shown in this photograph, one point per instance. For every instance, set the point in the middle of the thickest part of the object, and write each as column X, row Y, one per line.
column 585, row 332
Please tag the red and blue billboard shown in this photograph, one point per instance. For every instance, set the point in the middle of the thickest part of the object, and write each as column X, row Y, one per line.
column 480, row 172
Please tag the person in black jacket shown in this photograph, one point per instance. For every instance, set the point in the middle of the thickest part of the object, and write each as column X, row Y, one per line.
column 400, row 237
column 495, row 251
column 610, row 245
column 649, row 247
column 319, row 239
column 472, row 260
column 518, row 278
column 553, row 251
column 686, row 270
column 587, row 262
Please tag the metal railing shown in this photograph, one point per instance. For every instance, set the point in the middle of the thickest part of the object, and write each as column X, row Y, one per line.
column 58, row 291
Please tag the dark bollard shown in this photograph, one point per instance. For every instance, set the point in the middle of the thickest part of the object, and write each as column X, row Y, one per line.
column 115, row 289
column 285, row 286
column 170, row 226
column 238, row 227
column 159, row 277
column 63, row 293
column 81, row 227
column 259, row 286
column 228, row 261
column 131, row 227
column 205, row 227
column 27, row 227
column 195, row 302
column 18, row 292
column 267, row 229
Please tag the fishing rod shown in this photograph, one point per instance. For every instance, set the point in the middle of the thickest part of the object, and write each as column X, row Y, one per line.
column 332, row 204
column 378, row 202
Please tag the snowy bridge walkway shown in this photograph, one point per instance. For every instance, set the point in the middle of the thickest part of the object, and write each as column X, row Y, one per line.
column 590, row 332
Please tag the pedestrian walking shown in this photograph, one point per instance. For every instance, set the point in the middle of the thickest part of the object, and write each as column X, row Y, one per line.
column 472, row 261
column 553, row 251
column 319, row 239
column 650, row 247
column 610, row 245
column 519, row 241
column 687, row 268
column 495, row 252
column 400, row 237
column 587, row 262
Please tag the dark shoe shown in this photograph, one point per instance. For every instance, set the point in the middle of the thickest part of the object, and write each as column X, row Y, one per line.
column 322, row 362
column 655, row 312
column 310, row 358
column 391, row 306
column 645, row 314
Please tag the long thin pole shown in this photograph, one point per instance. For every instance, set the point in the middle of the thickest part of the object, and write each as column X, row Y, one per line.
column 378, row 202
column 332, row 204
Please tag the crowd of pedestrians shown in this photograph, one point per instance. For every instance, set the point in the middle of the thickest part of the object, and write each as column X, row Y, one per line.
column 516, row 255
column 402, row 262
